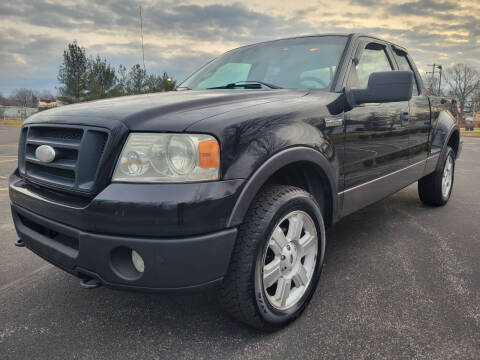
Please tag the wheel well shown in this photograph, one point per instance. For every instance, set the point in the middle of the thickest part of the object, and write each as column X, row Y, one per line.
column 311, row 178
column 454, row 141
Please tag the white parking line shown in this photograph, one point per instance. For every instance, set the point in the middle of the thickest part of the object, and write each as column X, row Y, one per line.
column 18, row 281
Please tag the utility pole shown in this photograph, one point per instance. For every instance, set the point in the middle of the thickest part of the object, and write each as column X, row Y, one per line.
column 432, row 91
column 433, row 70
column 440, row 81
column 473, row 108
column 440, row 68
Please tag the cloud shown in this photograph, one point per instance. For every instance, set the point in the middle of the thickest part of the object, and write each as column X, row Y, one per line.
column 424, row 7
column 371, row 3
column 19, row 59
column 27, row 60
column 180, row 35
column 160, row 58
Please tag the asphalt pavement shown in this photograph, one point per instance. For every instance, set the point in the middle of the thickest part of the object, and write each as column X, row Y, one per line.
column 401, row 280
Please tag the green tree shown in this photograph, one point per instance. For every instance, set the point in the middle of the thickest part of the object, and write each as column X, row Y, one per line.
column 156, row 83
column 73, row 74
column 120, row 88
column 85, row 78
column 101, row 79
column 136, row 81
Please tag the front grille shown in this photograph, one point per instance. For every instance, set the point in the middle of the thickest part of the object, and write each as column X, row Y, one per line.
column 78, row 154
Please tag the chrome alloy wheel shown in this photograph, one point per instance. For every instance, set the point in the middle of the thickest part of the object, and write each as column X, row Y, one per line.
column 447, row 178
column 289, row 260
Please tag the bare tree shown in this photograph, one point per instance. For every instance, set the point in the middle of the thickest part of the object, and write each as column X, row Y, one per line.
column 432, row 85
column 463, row 80
column 476, row 102
column 23, row 97
column 44, row 95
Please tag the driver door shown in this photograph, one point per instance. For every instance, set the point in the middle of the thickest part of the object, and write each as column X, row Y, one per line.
column 376, row 139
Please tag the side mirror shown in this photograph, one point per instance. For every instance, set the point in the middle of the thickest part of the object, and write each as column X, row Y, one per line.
column 385, row 86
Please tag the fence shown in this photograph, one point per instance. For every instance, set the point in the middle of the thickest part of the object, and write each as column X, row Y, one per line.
column 16, row 112
column 476, row 124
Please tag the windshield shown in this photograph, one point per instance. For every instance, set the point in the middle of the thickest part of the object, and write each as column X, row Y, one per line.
column 301, row 63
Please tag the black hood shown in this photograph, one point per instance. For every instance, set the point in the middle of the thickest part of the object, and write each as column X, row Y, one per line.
column 172, row 111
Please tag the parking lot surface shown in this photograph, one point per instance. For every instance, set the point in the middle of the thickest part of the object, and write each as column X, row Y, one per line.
column 401, row 280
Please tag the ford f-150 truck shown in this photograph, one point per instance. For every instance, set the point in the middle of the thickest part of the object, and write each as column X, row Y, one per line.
column 231, row 180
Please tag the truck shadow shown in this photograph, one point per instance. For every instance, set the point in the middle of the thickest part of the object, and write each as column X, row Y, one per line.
column 197, row 317
column 199, row 314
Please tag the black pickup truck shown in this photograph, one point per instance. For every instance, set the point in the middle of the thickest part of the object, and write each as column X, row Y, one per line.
column 231, row 180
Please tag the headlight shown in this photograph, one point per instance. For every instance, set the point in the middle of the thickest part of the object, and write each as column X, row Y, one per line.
column 168, row 158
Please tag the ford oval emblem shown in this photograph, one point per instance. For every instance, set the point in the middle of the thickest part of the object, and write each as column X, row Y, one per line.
column 45, row 153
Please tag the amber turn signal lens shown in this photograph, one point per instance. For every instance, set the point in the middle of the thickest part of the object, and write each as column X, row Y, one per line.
column 208, row 154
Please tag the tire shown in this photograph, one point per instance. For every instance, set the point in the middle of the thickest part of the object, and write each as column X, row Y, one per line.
column 435, row 189
column 244, row 294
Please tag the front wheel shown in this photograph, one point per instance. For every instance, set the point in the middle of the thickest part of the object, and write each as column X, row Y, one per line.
column 277, row 259
column 435, row 189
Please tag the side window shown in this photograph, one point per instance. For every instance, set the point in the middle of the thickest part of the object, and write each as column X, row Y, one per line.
column 404, row 64
column 373, row 59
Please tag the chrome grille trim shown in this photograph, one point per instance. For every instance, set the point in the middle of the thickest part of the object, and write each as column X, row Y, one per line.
column 79, row 152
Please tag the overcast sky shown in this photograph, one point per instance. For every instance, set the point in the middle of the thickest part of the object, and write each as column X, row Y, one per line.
column 182, row 35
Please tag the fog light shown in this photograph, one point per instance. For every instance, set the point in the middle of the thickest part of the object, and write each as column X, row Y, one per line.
column 138, row 262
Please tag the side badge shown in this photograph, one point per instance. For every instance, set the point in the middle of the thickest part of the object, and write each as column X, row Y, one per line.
column 331, row 121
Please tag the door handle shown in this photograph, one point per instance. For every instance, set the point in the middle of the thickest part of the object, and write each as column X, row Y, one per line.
column 405, row 118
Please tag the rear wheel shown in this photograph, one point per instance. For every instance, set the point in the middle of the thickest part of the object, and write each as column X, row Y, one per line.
column 435, row 189
column 277, row 259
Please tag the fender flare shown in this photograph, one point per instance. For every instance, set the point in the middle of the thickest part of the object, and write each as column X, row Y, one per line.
column 441, row 134
column 451, row 130
column 272, row 165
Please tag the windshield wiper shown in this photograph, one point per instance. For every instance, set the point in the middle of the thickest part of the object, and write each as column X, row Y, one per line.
column 249, row 84
column 183, row 87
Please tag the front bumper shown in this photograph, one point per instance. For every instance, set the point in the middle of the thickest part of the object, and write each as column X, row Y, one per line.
column 128, row 209
column 171, row 264
column 178, row 229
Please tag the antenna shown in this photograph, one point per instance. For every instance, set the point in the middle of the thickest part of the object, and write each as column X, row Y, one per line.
column 141, row 35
